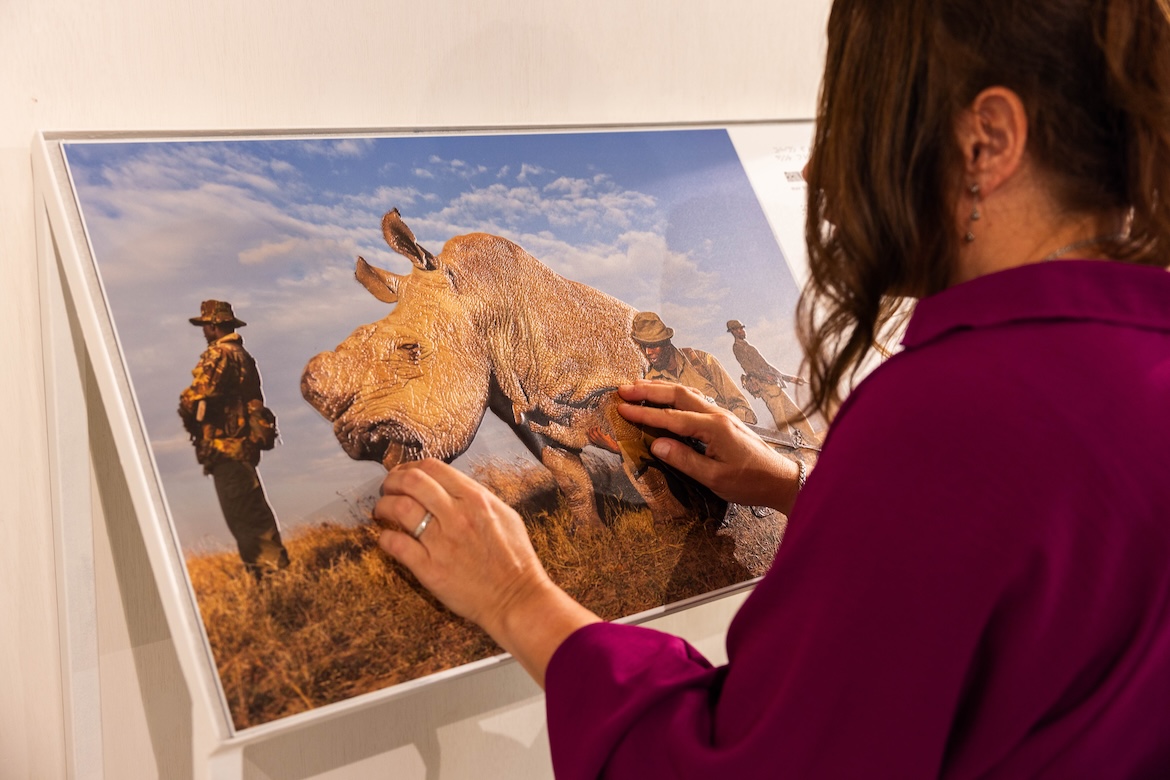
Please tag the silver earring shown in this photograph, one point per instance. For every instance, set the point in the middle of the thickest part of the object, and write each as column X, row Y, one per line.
column 975, row 215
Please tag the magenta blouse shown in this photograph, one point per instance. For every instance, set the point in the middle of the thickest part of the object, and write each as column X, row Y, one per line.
column 975, row 581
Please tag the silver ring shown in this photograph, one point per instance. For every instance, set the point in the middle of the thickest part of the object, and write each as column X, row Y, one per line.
column 422, row 526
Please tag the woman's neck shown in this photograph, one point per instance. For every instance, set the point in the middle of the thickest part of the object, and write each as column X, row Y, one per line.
column 1020, row 224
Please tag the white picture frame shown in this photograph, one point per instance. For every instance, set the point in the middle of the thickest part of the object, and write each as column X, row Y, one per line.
column 82, row 345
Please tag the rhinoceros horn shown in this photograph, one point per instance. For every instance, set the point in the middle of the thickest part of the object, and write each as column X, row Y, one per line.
column 401, row 240
column 383, row 285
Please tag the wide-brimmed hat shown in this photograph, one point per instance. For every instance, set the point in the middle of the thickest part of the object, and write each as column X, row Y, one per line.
column 648, row 329
column 217, row 313
column 734, row 325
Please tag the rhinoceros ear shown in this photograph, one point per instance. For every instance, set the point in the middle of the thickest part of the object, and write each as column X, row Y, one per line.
column 383, row 285
column 401, row 240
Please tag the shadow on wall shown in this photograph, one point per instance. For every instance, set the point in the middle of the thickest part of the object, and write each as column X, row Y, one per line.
column 449, row 724
column 165, row 698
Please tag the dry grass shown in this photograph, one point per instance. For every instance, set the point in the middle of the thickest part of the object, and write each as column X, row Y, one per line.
column 343, row 620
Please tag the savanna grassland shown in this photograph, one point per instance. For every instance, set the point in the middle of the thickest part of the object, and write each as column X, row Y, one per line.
column 344, row 620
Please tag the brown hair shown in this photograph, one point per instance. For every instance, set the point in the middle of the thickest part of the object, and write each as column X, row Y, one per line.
column 1094, row 77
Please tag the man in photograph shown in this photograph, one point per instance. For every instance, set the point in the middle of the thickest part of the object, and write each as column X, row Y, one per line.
column 686, row 366
column 769, row 384
column 223, row 411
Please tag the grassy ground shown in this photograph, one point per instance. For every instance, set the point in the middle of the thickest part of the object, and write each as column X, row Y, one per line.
column 343, row 620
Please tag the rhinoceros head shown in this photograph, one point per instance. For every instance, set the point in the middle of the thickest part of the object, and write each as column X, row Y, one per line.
column 415, row 383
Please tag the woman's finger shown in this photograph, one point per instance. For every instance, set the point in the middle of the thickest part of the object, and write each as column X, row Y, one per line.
column 682, row 457
column 407, row 495
column 457, row 484
column 404, row 515
column 417, row 481
column 689, row 425
column 667, row 394
column 396, row 510
column 404, row 549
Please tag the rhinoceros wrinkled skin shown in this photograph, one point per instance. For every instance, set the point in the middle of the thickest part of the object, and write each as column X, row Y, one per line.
column 485, row 325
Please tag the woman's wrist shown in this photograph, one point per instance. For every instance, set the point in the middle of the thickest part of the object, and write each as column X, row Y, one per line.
column 789, row 484
column 534, row 623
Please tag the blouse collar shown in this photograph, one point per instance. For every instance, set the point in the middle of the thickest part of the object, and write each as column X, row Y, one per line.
column 1100, row 290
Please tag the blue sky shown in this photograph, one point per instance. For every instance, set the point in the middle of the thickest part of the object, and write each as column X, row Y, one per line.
column 664, row 220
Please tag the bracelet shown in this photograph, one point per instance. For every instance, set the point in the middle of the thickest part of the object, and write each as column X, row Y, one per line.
column 801, row 475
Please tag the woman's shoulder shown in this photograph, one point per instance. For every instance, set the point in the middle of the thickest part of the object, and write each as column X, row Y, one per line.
column 940, row 390
column 1029, row 419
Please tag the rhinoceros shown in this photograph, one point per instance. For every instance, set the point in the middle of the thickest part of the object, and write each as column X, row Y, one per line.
column 485, row 325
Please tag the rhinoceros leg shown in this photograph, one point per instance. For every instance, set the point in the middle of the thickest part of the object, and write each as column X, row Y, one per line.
column 642, row 468
column 573, row 480
column 651, row 484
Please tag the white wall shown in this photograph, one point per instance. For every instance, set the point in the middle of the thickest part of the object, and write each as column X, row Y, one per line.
column 154, row 65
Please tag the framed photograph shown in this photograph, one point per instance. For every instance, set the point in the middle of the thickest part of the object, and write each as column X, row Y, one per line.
column 291, row 316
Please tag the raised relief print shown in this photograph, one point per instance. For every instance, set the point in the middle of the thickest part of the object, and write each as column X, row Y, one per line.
column 320, row 310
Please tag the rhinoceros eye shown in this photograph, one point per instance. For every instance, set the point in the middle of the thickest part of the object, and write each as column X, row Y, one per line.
column 412, row 350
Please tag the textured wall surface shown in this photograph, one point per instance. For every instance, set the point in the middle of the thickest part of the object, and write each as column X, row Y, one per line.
column 142, row 65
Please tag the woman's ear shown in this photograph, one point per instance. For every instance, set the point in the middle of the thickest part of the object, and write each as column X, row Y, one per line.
column 992, row 133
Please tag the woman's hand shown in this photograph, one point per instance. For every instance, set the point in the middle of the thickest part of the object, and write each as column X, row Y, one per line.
column 475, row 555
column 736, row 464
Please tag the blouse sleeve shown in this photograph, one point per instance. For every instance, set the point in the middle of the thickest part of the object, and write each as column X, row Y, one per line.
column 646, row 677
column 898, row 578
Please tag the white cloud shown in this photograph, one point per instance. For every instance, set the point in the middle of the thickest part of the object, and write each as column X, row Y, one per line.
column 345, row 147
column 353, row 147
column 305, row 249
column 176, row 167
column 564, row 203
column 267, row 251
column 574, row 188
column 383, row 198
column 453, row 167
column 527, row 170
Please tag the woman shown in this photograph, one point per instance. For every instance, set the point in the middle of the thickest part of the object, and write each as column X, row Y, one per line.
column 976, row 580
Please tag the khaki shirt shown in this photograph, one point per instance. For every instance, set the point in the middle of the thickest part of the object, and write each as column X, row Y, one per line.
column 755, row 366
column 703, row 372
column 214, row 408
